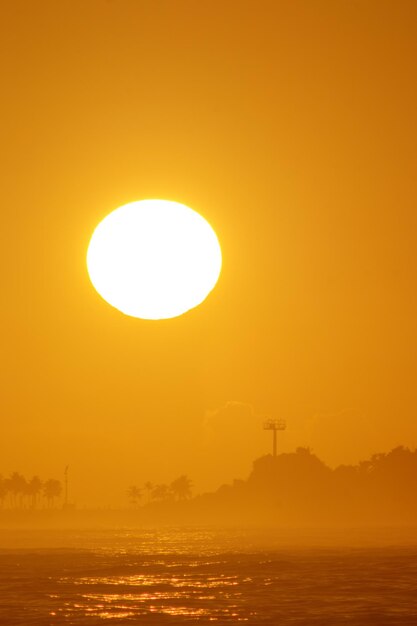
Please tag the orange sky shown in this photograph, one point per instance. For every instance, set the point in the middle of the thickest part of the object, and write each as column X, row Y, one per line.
column 290, row 125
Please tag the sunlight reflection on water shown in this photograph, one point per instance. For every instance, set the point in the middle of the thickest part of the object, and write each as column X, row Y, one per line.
column 116, row 577
column 186, row 595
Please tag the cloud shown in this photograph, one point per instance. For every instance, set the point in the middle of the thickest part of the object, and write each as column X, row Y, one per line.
column 232, row 410
column 236, row 420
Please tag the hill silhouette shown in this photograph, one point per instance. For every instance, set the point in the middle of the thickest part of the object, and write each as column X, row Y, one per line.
column 298, row 487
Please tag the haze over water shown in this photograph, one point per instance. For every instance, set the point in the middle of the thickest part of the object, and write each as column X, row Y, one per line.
column 178, row 576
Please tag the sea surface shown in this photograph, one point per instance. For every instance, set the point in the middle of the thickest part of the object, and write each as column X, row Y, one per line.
column 203, row 576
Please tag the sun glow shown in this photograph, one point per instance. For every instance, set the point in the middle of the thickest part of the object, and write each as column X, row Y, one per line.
column 154, row 259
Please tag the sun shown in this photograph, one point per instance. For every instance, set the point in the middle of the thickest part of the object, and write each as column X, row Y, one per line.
column 154, row 259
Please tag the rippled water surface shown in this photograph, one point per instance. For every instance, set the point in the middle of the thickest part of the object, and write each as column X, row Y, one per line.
column 201, row 577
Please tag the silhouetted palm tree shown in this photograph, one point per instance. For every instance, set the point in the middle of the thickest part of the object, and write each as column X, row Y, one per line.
column 3, row 490
column 149, row 487
column 16, row 486
column 34, row 488
column 134, row 494
column 161, row 492
column 52, row 489
column 181, row 487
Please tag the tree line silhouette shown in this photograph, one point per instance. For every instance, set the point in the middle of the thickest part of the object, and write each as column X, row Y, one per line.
column 16, row 492
column 180, row 489
column 296, row 488
column 290, row 488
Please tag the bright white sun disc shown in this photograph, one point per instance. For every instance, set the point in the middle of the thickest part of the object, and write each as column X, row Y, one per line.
column 154, row 259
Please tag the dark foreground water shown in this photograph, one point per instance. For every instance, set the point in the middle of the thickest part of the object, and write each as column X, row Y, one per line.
column 202, row 577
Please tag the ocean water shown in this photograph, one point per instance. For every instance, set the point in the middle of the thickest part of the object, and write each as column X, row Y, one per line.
column 197, row 576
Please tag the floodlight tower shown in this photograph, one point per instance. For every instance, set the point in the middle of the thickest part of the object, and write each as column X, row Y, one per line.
column 275, row 425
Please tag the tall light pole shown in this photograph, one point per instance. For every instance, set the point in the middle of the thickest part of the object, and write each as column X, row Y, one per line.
column 275, row 425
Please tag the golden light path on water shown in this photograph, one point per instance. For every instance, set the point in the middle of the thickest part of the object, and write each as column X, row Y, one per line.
column 181, row 596
column 197, row 576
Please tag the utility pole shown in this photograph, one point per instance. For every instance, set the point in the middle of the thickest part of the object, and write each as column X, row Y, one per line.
column 66, row 487
column 275, row 425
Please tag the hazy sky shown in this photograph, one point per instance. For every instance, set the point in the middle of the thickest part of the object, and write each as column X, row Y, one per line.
column 291, row 126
